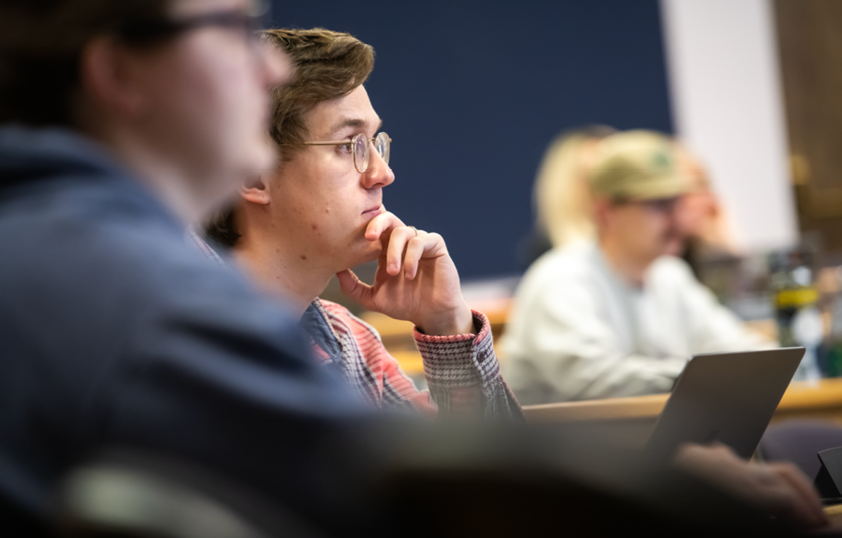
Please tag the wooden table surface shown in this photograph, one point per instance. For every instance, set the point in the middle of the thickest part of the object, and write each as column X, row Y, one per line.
column 821, row 399
column 834, row 513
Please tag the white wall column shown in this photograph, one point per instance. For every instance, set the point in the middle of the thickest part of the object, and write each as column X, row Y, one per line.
column 727, row 105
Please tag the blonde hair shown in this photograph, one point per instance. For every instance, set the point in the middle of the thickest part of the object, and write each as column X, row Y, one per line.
column 562, row 198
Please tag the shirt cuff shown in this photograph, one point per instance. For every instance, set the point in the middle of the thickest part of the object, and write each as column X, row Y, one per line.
column 460, row 360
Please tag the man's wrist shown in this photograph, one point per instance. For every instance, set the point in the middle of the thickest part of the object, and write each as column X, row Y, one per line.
column 460, row 322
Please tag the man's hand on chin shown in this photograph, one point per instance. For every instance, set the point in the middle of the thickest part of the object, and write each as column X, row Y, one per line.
column 416, row 279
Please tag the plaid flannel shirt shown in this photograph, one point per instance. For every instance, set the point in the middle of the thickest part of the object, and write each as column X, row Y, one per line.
column 462, row 371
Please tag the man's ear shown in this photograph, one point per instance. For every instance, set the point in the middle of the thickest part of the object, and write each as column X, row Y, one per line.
column 601, row 210
column 108, row 72
column 255, row 191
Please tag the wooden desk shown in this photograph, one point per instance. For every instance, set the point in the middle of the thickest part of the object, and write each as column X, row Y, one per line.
column 834, row 516
column 634, row 418
column 802, row 399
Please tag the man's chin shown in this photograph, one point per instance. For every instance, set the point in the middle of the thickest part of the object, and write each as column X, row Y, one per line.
column 365, row 256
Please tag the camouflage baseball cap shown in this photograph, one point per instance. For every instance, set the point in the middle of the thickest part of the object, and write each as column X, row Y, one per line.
column 637, row 165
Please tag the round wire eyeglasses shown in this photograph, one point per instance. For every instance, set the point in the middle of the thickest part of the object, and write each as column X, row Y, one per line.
column 360, row 145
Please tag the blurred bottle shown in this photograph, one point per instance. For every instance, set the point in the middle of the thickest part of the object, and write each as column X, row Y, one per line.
column 833, row 363
column 796, row 308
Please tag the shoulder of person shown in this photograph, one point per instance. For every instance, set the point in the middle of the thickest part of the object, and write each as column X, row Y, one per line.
column 673, row 268
column 565, row 278
column 336, row 309
column 672, row 274
column 575, row 260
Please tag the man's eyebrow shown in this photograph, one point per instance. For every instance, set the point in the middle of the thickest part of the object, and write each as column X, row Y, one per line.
column 346, row 122
column 349, row 122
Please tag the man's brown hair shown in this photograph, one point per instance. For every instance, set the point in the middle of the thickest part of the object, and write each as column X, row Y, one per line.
column 328, row 65
column 41, row 43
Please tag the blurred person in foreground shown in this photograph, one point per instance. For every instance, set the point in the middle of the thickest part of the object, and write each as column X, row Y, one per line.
column 129, row 122
column 122, row 123
column 321, row 212
column 619, row 315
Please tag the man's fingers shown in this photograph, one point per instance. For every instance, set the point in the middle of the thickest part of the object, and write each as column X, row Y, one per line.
column 807, row 504
column 414, row 251
column 380, row 224
column 425, row 245
column 353, row 287
column 381, row 275
column 397, row 244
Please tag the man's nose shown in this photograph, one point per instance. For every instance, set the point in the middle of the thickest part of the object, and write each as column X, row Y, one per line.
column 378, row 173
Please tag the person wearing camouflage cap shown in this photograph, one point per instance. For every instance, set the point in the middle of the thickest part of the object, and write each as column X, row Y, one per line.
column 618, row 315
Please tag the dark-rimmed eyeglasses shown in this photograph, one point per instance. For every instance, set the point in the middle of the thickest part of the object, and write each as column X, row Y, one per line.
column 149, row 31
column 660, row 205
column 360, row 145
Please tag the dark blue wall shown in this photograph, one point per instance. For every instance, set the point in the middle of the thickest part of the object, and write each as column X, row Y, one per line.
column 472, row 91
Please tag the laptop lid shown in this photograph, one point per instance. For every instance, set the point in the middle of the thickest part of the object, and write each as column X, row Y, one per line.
column 724, row 397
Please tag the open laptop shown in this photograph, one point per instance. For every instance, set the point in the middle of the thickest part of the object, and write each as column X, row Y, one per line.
column 724, row 397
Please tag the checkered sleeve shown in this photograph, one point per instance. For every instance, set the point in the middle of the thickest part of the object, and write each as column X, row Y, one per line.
column 463, row 374
column 369, row 367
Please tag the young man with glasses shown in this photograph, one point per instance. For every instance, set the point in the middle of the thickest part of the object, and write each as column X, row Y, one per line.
column 321, row 212
column 618, row 314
